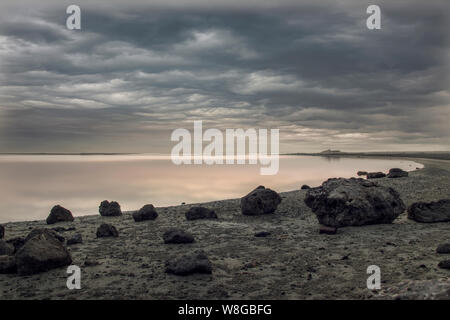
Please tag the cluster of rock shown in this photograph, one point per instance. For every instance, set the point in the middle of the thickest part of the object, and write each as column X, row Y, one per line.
column 427, row 212
column 393, row 173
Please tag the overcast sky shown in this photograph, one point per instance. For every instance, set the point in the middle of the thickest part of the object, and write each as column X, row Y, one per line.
column 310, row 68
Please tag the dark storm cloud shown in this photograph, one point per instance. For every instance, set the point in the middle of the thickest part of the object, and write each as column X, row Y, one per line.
column 133, row 74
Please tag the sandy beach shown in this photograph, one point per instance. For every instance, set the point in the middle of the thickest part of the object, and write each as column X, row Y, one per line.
column 293, row 262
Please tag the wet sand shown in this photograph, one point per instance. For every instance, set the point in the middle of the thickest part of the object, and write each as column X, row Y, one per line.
column 294, row 262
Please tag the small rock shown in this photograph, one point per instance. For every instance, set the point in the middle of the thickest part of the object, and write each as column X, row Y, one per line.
column 147, row 212
column 2, row 232
column 7, row 264
column 375, row 175
column 262, row 234
column 59, row 214
column 445, row 264
column 436, row 211
column 305, row 187
column 195, row 213
column 362, row 173
column 76, row 238
column 107, row 230
column 196, row 262
column 397, row 173
column 443, row 248
column 6, row 248
column 109, row 209
column 260, row 201
column 88, row 262
column 177, row 236
column 47, row 232
column 327, row 230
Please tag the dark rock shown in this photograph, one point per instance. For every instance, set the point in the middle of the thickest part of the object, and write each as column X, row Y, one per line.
column 375, row 175
column 6, row 248
column 362, row 173
column 107, row 230
column 89, row 262
column 7, row 264
column 260, row 201
column 109, row 209
column 443, row 248
column 444, row 264
column 147, row 212
column 17, row 243
column 195, row 213
column 305, row 187
column 436, row 211
column 47, row 232
column 177, row 236
column 59, row 214
column 397, row 173
column 2, row 232
column 196, row 262
column 327, row 230
column 262, row 234
column 353, row 202
column 40, row 253
column 76, row 238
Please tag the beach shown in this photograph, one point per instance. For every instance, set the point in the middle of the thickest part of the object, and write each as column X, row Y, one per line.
column 293, row 262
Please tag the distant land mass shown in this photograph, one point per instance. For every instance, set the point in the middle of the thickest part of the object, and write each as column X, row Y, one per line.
column 441, row 155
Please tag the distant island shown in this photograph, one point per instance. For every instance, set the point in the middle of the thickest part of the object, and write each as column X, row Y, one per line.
column 441, row 155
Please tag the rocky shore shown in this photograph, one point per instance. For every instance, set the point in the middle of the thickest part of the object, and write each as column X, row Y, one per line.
column 236, row 252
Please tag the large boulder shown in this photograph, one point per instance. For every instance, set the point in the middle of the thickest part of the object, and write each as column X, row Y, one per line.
column 109, row 209
column 260, row 201
column 195, row 213
column 375, row 175
column 436, row 211
column 177, row 236
column 6, row 248
column 107, row 230
column 147, row 212
column 2, row 232
column 59, row 214
column 7, row 264
column 40, row 253
column 397, row 173
column 353, row 202
column 196, row 262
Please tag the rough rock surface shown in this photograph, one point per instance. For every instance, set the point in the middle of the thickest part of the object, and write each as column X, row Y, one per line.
column 6, row 248
column 147, row 212
column 397, row 173
column 47, row 232
column 305, row 187
column 445, row 264
column 107, row 230
column 353, row 202
column 75, row 239
column 16, row 242
column 59, row 214
column 7, row 264
column 443, row 248
column 109, row 209
column 435, row 211
column 177, row 236
column 196, row 262
column 260, row 201
column 195, row 213
column 41, row 253
column 375, row 175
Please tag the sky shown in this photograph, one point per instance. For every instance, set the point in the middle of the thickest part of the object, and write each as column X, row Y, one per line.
column 135, row 72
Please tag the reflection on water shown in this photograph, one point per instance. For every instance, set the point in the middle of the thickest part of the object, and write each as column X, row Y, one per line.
column 31, row 185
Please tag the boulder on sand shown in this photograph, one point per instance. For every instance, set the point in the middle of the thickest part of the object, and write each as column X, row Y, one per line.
column 40, row 253
column 177, row 236
column 435, row 211
column 443, row 248
column 47, row 232
column 362, row 173
column 107, row 230
column 196, row 213
column 375, row 175
column 196, row 262
column 343, row 202
column 2, row 232
column 75, row 239
column 6, row 248
column 305, row 187
column 147, row 212
column 397, row 173
column 7, row 264
column 260, row 201
column 109, row 209
column 59, row 214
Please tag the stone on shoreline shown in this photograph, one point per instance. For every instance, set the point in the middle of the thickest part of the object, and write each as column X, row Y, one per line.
column 7, row 264
column 375, row 175
column 41, row 252
column 6, row 249
column 397, row 173
column 47, row 232
column 75, row 239
column 147, row 212
column 196, row 262
column 343, row 202
column 260, row 201
column 107, row 230
column 196, row 213
column 59, row 214
column 443, row 248
column 444, row 264
column 262, row 234
column 305, row 187
column 362, row 173
column 109, row 209
column 177, row 236
column 2, row 232
column 427, row 212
